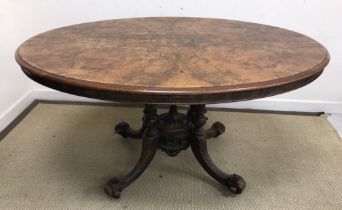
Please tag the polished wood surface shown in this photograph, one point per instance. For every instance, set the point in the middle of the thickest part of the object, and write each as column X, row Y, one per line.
column 173, row 132
column 172, row 60
column 175, row 61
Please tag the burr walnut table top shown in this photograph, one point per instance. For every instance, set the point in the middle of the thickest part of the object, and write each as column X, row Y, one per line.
column 172, row 60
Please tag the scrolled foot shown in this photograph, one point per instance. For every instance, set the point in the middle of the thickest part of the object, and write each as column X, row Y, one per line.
column 121, row 128
column 235, row 183
column 150, row 140
column 112, row 189
column 216, row 129
column 125, row 131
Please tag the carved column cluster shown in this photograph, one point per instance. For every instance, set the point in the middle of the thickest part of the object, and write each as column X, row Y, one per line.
column 172, row 132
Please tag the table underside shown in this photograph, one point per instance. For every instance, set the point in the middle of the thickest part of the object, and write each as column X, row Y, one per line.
column 173, row 132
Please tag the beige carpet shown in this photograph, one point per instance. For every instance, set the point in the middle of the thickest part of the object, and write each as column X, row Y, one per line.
column 60, row 156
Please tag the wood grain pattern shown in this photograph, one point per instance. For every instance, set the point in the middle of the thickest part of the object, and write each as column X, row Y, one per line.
column 172, row 60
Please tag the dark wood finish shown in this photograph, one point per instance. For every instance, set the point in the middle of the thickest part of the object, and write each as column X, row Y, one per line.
column 125, row 131
column 149, row 147
column 172, row 60
column 163, row 106
column 173, row 132
column 233, row 182
column 215, row 130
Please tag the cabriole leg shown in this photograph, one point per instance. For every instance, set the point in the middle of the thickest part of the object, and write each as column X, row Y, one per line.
column 149, row 148
column 233, row 182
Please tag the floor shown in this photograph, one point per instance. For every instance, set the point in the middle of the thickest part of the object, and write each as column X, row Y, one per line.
column 61, row 159
column 336, row 122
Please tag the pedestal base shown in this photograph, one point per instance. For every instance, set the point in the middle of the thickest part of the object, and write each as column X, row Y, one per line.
column 173, row 132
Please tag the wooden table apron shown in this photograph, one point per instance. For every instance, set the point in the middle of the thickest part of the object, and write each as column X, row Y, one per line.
column 172, row 60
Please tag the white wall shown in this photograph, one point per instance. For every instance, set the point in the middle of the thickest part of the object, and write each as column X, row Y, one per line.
column 13, row 84
column 315, row 18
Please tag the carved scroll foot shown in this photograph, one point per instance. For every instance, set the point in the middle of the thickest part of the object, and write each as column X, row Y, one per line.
column 173, row 132
column 233, row 182
column 110, row 188
column 150, row 141
column 216, row 129
column 125, row 131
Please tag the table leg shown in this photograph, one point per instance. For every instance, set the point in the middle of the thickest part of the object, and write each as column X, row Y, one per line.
column 233, row 182
column 125, row 130
column 215, row 130
column 149, row 148
column 172, row 132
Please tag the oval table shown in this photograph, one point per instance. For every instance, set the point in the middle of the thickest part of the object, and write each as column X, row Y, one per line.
column 172, row 60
